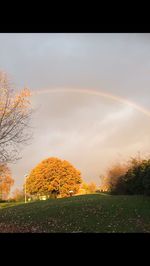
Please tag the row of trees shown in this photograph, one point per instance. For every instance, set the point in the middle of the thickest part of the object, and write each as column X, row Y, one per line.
column 85, row 188
column 130, row 178
column 57, row 178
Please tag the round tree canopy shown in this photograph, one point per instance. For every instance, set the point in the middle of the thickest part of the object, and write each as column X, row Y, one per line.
column 53, row 176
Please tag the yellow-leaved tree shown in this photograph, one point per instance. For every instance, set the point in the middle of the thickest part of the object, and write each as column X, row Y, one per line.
column 6, row 181
column 53, row 176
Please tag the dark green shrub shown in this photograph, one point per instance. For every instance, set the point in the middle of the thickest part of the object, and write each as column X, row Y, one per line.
column 135, row 181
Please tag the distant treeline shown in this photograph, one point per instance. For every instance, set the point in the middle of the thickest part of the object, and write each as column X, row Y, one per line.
column 129, row 178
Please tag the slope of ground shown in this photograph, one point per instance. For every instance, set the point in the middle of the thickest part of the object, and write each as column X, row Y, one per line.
column 87, row 213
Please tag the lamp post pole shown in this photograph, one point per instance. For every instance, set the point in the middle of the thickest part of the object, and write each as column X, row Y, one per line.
column 25, row 193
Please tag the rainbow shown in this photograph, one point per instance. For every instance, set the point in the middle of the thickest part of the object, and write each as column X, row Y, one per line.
column 96, row 93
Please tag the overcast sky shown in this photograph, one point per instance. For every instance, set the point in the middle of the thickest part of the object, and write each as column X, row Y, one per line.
column 89, row 131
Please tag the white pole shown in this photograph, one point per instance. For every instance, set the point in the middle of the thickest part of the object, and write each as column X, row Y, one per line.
column 25, row 192
column 25, row 189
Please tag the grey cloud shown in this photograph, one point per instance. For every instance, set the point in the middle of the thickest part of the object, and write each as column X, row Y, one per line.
column 89, row 131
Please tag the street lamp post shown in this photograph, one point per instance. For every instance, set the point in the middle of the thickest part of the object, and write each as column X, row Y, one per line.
column 25, row 193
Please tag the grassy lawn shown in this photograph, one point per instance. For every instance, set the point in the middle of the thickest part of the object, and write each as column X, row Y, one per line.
column 10, row 204
column 87, row 213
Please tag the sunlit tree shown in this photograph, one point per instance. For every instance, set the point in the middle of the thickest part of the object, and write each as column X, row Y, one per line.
column 18, row 195
column 89, row 188
column 110, row 179
column 6, row 181
column 92, row 187
column 53, row 176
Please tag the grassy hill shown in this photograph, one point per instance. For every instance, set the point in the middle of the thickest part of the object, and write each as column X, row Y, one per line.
column 86, row 213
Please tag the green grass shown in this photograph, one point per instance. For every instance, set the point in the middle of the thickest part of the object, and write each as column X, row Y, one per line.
column 87, row 213
column 10, row 204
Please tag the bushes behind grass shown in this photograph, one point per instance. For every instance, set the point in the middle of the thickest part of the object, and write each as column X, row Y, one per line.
column 134, row 179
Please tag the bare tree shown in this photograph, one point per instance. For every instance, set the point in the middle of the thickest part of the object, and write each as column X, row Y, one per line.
column 15, row 112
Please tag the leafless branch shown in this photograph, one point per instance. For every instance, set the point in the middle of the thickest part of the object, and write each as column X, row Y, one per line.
column 15, row 113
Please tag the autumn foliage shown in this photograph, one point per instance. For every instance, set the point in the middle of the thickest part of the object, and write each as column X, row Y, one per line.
column 18, row 195
column 6, row 181
column 53, row 176
column 110, row 180
column 87, row 188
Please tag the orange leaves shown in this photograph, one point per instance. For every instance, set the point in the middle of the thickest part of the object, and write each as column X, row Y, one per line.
column 18, row 194
column 54, row 175
column 87, row 188
column 6, row 181
column 21, row 101
column 113, row 174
